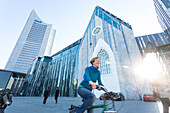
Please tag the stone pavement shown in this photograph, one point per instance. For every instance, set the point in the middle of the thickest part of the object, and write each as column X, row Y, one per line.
column 34, row 105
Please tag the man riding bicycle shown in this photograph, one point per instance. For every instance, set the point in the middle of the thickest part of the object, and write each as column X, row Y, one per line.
column 91, row 75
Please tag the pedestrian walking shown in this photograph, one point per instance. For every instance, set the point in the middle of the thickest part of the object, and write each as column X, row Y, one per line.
column 46, row 94
column 56, row 95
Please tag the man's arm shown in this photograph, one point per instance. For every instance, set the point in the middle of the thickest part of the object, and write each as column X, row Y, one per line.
column 99, row 81
column 87, row 75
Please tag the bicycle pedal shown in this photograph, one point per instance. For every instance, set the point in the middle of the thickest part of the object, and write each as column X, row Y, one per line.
column 73, row 107
column 73, row 110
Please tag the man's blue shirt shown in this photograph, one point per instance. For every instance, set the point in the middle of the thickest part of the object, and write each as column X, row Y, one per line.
column 91, row 74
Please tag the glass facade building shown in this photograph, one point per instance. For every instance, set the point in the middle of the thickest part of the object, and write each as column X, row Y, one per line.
column 158, row 39
column 162, row 8
column 106, row 36
column 35, row 40
column 58, row 70
column 161, row 46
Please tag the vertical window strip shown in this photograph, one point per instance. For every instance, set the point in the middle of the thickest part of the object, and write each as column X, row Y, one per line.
column 90, row 35
column 94, row 37
column 164, row 37
column 65, row 75
column 142, row 46
column 114, row 38
column 143, row 42
column 126, row 43
column 108, row 31
column 104, row 30
column 100, row 14
column 87, row 47
column 115, row 24
column 97, row 12
column 139, row 45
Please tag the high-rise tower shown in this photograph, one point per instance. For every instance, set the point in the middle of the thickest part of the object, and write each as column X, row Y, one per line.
column 35, row 40
column 162, row 8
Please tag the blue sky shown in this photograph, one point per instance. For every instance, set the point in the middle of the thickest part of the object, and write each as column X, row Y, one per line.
column 70, row 18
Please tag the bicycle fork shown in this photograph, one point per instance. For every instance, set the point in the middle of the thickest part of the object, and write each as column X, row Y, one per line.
column 106, row 108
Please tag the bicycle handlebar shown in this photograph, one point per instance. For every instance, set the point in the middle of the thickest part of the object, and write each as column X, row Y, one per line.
column 107, row 95
column 98, row 87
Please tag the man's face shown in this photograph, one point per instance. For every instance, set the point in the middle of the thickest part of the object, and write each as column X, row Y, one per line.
column 96, row 63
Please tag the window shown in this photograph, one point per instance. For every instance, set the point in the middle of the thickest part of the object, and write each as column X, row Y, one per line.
column 107, row 19
column 115, row 25
column 104, row 62
column 97, row 11
column 100, row 14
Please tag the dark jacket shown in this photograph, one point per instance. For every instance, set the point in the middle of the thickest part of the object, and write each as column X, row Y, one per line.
column 46, row 93
column 56, row 93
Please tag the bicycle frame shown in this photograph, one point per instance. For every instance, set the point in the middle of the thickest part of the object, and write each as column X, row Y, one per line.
column 104, row 106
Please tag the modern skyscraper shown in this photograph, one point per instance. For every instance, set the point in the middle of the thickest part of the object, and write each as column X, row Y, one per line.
column 35, row 40
column 162, row 8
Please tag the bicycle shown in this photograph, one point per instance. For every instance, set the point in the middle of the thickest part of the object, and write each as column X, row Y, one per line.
column 107, row 96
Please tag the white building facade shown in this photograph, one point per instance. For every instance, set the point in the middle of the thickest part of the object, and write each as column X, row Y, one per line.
column 112, row 40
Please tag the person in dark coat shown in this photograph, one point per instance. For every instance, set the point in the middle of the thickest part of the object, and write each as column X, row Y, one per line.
column 46, row 94
column 56, row 95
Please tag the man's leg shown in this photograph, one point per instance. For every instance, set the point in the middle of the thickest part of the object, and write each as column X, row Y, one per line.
column 89, row 99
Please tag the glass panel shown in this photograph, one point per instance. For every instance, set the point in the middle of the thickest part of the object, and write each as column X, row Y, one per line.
column 115, row 24
column 100, row 14
column 107, row 19
column 97, row 11
column 105, row 33
column 108, row 31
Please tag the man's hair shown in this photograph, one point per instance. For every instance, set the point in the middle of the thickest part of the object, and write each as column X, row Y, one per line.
column 93, row 59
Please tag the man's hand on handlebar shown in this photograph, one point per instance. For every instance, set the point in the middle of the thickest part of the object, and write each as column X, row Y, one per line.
column 99, row 87
column 93, row 84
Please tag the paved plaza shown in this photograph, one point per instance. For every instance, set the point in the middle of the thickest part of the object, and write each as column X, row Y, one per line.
column 34, row 105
